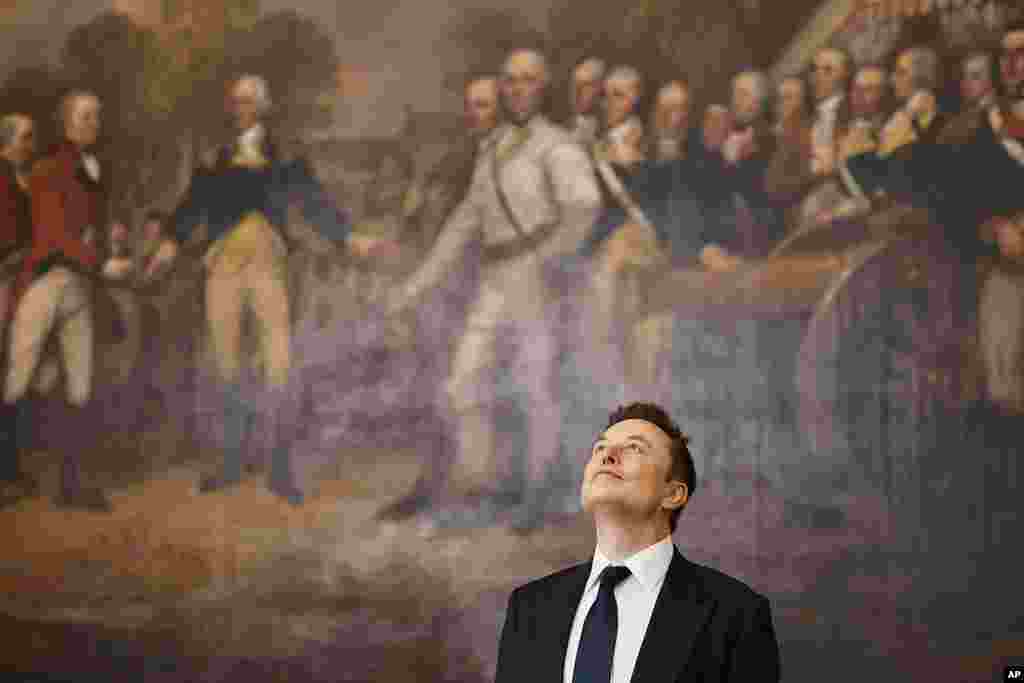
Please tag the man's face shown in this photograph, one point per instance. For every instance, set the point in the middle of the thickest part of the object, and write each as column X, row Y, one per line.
column 1010, row 238
column 152, row 230
column 522, row 87
column 244, row 106
column 828, row 74
column 586, row 90
column 482, row 106
column 791, row 99
column 1011, row 64
column 628, row 470
column 23, row 145
column 118, row 232
column 976, row 81
column 902, row 78
column 672, row 111
column 82, row 124
column 868, row 93
column 717, row 126
column 746, row 105
column 620, row 98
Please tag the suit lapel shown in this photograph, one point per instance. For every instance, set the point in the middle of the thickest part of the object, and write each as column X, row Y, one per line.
column 679, row 614
column 554, row 632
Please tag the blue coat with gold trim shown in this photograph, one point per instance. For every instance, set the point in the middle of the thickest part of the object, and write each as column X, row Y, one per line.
column 221, row 193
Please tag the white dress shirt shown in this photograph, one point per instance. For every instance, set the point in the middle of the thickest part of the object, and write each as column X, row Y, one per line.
column 635, row 598
column 92, row 166
column 250, row 143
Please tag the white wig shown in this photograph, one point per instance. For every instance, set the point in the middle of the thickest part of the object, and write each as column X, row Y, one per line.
column 626, row 74
column 535, row 56
column 257, row 86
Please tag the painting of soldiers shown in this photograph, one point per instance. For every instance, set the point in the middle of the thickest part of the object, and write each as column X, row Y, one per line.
column 242, row 193
column 533, row 198
column 56, row 290
column 309, row 350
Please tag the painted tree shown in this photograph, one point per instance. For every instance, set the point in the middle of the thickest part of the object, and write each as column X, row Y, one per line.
column 297, row 57
column 104, row 56
column 34, row 91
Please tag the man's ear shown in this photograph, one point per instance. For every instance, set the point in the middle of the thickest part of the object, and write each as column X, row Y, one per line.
column 677, row 496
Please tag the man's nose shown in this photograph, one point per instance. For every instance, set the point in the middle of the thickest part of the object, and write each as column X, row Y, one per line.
column 611, row 455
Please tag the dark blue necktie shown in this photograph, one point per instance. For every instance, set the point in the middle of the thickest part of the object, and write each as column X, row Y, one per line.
column 597, row 643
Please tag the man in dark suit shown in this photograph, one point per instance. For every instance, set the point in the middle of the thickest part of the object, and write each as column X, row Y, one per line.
column 639, row 611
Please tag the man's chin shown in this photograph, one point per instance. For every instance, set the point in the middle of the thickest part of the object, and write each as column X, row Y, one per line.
column 602, row 494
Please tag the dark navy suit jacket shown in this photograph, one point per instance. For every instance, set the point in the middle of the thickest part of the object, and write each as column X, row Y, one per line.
column 706, row 626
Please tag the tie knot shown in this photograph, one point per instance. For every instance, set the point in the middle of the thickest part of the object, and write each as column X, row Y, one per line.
column 613, row 576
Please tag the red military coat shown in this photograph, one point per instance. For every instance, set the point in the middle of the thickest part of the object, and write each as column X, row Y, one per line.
column 65, row 202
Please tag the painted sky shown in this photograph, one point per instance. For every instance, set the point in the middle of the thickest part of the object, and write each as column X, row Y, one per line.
column 392, row 44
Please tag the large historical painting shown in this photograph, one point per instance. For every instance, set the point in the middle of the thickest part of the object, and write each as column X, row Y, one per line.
column 294, row 389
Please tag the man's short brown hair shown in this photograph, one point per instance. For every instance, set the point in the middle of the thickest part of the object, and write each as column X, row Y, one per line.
column 682, row 467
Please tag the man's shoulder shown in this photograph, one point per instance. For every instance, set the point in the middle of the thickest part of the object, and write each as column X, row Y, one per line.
column 550, row 135
column 48, row 166
column 49, row 172
column 960, row 128
column 212, row 157
column 290, row 150
column 724, row 587
column 552, row 583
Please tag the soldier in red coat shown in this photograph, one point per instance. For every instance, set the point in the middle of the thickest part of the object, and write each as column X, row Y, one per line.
column 17, row 149
column 56, row 284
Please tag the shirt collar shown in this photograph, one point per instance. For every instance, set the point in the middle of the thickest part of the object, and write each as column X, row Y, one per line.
column 253, row 136
column 649, row 566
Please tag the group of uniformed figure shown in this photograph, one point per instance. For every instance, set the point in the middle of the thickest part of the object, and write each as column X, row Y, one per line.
column 871, row 144
column 54, row 274
column 595, row 198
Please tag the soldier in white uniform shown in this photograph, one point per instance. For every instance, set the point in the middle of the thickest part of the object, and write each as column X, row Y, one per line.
column 532, row 200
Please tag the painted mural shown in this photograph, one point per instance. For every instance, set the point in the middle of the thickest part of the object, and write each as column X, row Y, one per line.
column 303, row 353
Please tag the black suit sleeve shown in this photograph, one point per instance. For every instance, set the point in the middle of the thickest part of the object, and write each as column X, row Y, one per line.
column 755, row 654
column 509, row 657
